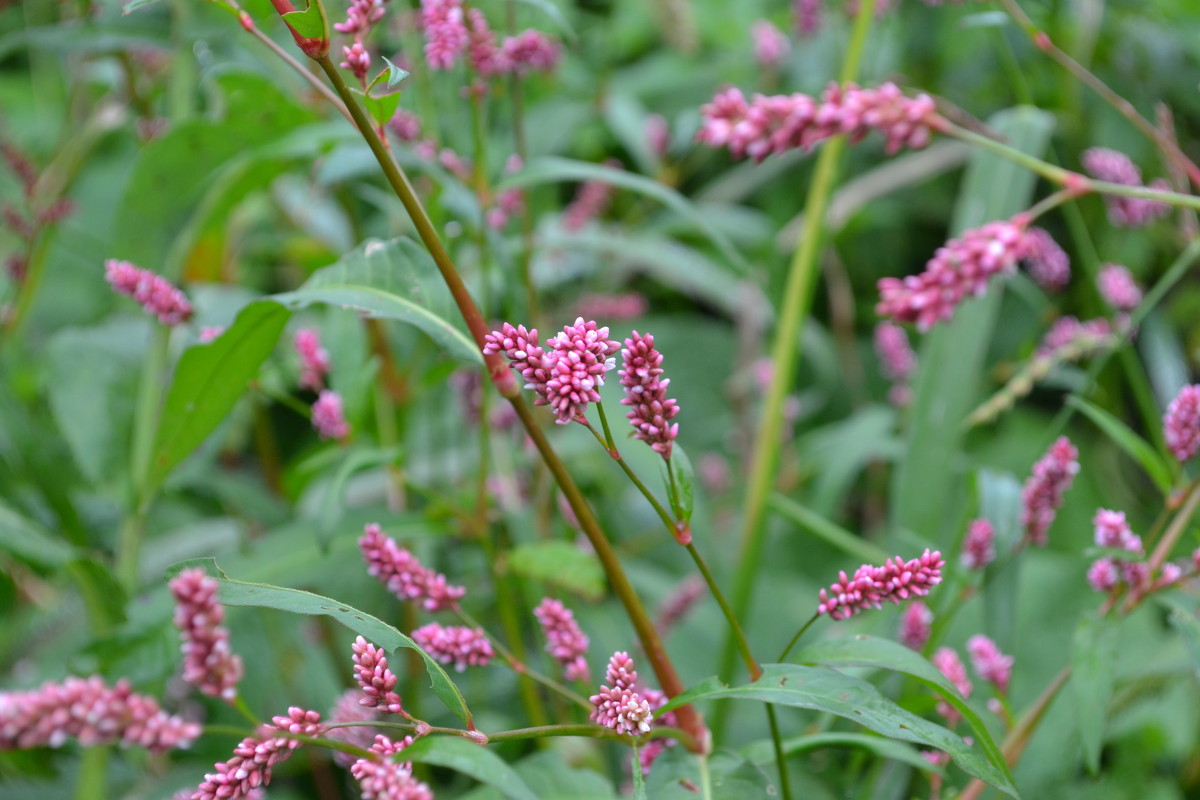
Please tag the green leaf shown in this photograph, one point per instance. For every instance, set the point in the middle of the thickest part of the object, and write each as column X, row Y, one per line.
column 683, row 500
column 355, row 460
column 375, row 630
column 1093, row 654
column 552, row 169
column 134, row 5
column 763, row 751
column 380, row 107
column 480, row 763
column 868, row 651
column 639, row 779
column 394, row 75
column 824, row 689
column 559, row 564
column 396, row 280
column 209, row 379
column 1185, row 621
column 829, row 532
column 29, row 542
column 1000, row 503
column 309, row 23
column 1123, row 436
column 554, row 778
column 554, row 13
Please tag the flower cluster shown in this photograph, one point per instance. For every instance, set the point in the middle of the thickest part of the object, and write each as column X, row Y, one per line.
column 154, row 292
column 446, row 35
column 1181, row 423
column 916, row 625
column 872, row 586
column 808, row 16
column 314, row 359
column 252, row 761
column 591, row 200
column 455, row 644
column 450, row 33
column 990, row 664
column 1069, row 332
column 771, row 45
column 769, row 124
column 959, row 269
column 1045, row 261
column 950, row 665
column 1116, row 167
column 651, row 750
column 378, row 682
column 618, row 705
column 349, row 708
column 328, row 417
column 979, row 548
column 1118, row 288
column 1042, row 495
column 382, row 778
column 91, row 712
column 650, row 410
column 564, row 639
column 402, row 574
column 897, row 361
column 208, row 662
column 1112, row 532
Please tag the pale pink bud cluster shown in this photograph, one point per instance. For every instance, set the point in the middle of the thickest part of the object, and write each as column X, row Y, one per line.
column 979, row 547
column 328, row 418
column 950, row 665
column 916, row 625
column 91, row 712
column 590, row 201
column 989, row 663
column 679, row 602
column 658, row 133
column 1042, row 495
column 1181, row 423
column 382, row 778
column 154, row 292
column 530, row 51
column 1045, row 261
column 771, row 45
column 1069, row 332
column 809, row 16
column 253, row 759
column 208, row 662
column 361, row 16
column 482, row 52
column 314, row 359
column 1113, row 531
column 650, row 410
column 897, row 361
column 618, row 705
column 378, row 682
column 446, row 35
column 1118, row 288
column 564, row 639
column 455, row 644
column 509, row 203
column 405, row 125
column 959, row 269
column 402, row 574
column 1116, row 167
column 357, row 60
column 767, row 125
column 349, row 708
column 629, row 305
column 210, row 332
column 872, row 586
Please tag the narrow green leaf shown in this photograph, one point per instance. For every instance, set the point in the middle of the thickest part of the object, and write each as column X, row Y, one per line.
column 639, row 779
column 1093, row 654
column 355, row 460
column 827, row 531
column 764, row 751
column 29, row 542
column 375, row 630
column 309, row 23
column 1123, row 436
column 824, row 689
column 1000, row 503
column 470, row 759
column 209, row 379
column 683, row 499
column 1185, row 621
column 554, row 13
column 560, row 564
column 868, row 651
column 134, row 5
column 396, row 280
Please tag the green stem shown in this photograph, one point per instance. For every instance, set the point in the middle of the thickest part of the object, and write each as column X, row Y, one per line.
column 796, row 638
column 785, row 787
column 93, row 774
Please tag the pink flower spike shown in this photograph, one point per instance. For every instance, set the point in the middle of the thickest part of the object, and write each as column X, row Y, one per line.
column 402, row 574
column 1118, row 288
column 618, row 705
column 1181, row 423
column 809, row 15
column 253, row 759
column 872, row 586
column 564, row 639
column 915, row 625
column 658, row 135
column 154, row 292
column 1114, row 532
column 959, row 269
column 358, row 60
column 530, row 51
column 978, row 548
column 1047, row 263
column 377, row 681
column 1112, row 166
column 770, row 44
column 382, row 778
column 327, row 416
column 446, row 35
column 485, row 57
column 458, row 645
column 361, row 17
column 651, row 411
column 897, row 361
column 581, row 354
column 1103, row 575
column 1069, row 332
column 208, row 662
column 1043, row 492
column 950, row 665
column 349, row 708
column 590, row 202
column 314, row 359
column 991, row 665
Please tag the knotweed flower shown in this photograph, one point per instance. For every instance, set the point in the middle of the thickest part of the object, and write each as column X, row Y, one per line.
column 591, row 200
column 897, row 361
column 527, row 357
column 1103, row 575
column 1069, row 332
column 979, row 548
column 358, row 60
column 210, row 332
column 530, row 51
column 349, row 708
column 1181, row 423
column 629, row 305
column 989, row 663
column 1042, row 494
column 154, row 292
column 405, row 125
column 679, row 602
column 402, row 574
column 618, row 705
column 381, row 778
column 770, row 44
column 446, row 36
column 1118, row 288
column 1116, row 167
column 482, row 52
column 873, row 586
column 916, row 624
column 1046, row 262
column 253, row 759
column 377, row 681
column 658, row 135
column 314, row 359
column 455, row 644
column 564, row 639
column 959, row 269
column 1114, row 532
column 950, row 665
column 651, row 750
column 361, row 16
column 208, row 662
column 808, row 17
column 91, row 712
column 328, row 418
column 651, row 411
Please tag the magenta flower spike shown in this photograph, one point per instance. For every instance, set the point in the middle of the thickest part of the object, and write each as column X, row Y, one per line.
column 1118, row 288
column 1181, row 423
column 446, row 35
column 383, row 778
column 989, row 663
column 328, row 418
column 402, row 574
column 483, row 53
column 1069, row 331
column 1046, row 262
column 530, row 51
column 155, row 293
column 651, row 411
column 1103, row 575
column 378, row 682
column 979, row 547
column 590, row 202
column 618, row 705
column 314, row 359
column 897, row 361
column 253, row 759
column 455, row 644
column 361, row 16
column 872, row 586
column 809, row 16
column 959, row 269
column 916, row 624
column 564, row 639
column 1043, row 492
column 1116, row 167
column 91, row 712
column 949, row 664
column 208, row 662
column 1114, row 532
column 771, row 45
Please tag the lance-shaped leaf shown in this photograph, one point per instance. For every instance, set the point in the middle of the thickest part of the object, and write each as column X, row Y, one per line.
column 471, row 759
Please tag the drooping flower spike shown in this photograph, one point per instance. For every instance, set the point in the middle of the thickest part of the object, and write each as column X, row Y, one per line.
column 565, row 641
column 1116, row 167
column 650, row 410
column 872, row 586
column 155, row 293
column 255, row 757
column 1181, row 423
column 208, row 662
column 455, row 644
column 402, row 574
column 1043, row 492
